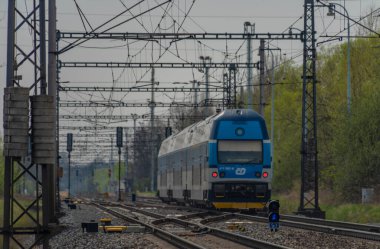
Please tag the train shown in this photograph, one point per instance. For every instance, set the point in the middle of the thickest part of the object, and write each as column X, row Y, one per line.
column 222, row 162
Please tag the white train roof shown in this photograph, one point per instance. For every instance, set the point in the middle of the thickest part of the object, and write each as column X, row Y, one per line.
column 192, row 135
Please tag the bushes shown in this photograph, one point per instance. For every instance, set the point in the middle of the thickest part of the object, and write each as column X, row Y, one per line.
column 1, row 166
column 348, row 144
column 357, row 146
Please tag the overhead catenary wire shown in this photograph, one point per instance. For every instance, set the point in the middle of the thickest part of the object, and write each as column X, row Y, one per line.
column 240, row 55
column 75, row 43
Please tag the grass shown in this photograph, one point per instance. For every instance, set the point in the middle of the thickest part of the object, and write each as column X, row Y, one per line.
column 102, row 179
column 146, row 194
column 357, row 213
column 23, row 222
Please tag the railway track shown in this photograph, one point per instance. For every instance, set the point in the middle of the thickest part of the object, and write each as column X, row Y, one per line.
column 361, row 231
column 330, row 227
column 345, row 225
column 204, row 235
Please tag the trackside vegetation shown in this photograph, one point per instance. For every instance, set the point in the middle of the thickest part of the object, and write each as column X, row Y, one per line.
column 348, row 142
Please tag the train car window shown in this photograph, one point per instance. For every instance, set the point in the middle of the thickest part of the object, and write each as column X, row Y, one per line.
column 240, row 151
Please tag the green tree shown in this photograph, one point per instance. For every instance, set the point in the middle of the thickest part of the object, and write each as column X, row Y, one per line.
column 287, row 126
column 348, row 145
column 357, row 146
column 1, row 165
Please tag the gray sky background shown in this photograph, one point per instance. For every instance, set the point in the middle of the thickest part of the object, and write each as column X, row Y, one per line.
column 205, row 16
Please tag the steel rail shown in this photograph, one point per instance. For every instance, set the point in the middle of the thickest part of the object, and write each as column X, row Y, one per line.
column 240, row 239
column 325, row 227
column 340, row 224
column 171, row 238
column 368, row 232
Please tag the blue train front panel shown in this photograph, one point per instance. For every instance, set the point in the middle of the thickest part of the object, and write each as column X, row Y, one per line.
column 239, row 161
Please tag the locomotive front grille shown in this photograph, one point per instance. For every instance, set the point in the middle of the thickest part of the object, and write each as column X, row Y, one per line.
column 239, row 191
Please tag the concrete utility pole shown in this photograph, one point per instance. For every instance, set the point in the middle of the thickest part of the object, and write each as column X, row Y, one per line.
column 207, row 82
column 226, row 92
column 119, row 144
column 273, row 109
column 241, row 102
column 48, row 181
column 110, row 166
column 119, row 182
column 126, row 190
column 152, row 170
column 205, row 60
column 134, row 116
column 249, row 29
column 52, row 91
column 262, row 76
column 195, row 87
column 69, row 148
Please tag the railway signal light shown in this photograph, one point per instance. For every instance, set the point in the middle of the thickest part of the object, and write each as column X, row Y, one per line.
column 69, row 142
column 274, row 215
column 119, row 137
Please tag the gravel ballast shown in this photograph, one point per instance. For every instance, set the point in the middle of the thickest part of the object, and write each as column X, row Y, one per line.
column 72, row 236
column 296, row 238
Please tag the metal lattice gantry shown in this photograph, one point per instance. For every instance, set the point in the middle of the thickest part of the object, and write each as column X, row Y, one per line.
column 124, row 104
column 170, row 65
column 26, row 69
column 309, row 151
column 178, row 36
column 139, row 89
column 122, row 117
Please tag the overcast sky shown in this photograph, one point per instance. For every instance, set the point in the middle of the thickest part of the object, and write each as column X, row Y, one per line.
column 274, row 16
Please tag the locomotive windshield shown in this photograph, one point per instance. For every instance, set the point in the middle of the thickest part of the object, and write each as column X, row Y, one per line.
column 240, row 151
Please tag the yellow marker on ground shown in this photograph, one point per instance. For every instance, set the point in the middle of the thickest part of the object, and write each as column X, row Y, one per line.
column 110, row 229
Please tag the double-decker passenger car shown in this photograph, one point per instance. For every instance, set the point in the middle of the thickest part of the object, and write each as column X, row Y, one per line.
column 223, row 161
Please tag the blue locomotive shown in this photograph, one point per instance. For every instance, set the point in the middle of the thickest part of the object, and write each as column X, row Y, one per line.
column 223, row 162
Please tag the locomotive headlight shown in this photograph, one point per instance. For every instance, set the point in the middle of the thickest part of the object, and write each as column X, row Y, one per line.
column 214, row 174
column 239, row 131
column 222, row 174
column 265, row 174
